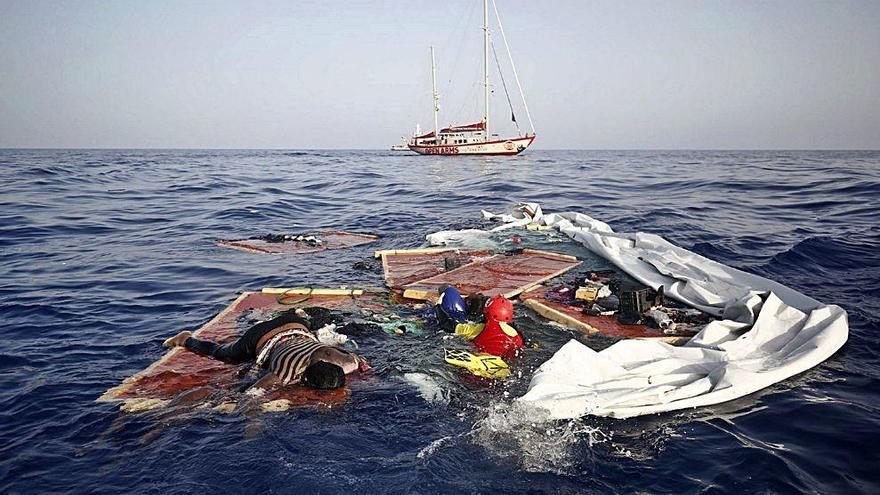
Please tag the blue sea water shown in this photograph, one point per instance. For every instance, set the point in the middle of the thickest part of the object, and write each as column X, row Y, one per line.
column 107, row 253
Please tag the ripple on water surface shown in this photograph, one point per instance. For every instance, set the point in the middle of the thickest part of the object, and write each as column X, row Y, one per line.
column 106, row 253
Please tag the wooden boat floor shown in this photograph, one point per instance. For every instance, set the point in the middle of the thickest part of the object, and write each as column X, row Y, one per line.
column 405, row 267
column 507, row 274
column 573, row 317
column 180, row 371
column 330, row 240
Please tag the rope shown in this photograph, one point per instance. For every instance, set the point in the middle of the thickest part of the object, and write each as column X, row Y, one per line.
column 504, row 85
column 513, row 66
column 282, row 298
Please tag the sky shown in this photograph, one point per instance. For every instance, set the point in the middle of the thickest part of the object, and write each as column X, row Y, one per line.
column 355, row 74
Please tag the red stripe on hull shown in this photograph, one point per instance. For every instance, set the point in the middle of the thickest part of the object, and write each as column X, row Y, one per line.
column 453, row 149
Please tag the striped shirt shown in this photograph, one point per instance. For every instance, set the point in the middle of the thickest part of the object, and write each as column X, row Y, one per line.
column 290, row 358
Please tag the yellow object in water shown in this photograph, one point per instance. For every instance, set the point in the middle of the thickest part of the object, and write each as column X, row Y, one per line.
column 485, row 365
column 469, row 330
column 588, row 294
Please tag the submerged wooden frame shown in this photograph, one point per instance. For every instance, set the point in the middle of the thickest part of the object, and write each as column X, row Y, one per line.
column 426, row 289
column 431, row 259
column 295, row 247
column 220, row 375
column 552, row 311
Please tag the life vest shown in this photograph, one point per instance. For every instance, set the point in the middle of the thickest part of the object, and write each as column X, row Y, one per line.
column 497, row 338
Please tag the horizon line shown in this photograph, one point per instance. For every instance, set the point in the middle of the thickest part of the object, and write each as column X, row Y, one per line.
column 48, row 148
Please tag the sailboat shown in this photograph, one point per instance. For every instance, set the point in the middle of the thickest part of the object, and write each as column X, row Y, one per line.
column 475, row 139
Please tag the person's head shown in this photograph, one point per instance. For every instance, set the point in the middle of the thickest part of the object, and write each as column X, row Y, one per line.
column 451, row 305
column 323, row 375
column 500, row 309
column 476, row 303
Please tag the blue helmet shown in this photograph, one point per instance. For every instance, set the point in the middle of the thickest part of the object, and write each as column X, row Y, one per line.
column 452, row 305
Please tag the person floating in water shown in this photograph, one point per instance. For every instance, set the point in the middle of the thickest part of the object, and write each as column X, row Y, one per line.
column 450, row 309
column 285, row 347
column 496, row 336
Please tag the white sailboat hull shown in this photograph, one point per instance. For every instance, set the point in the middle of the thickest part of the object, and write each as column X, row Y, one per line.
column 477, row 138
column 512, row 146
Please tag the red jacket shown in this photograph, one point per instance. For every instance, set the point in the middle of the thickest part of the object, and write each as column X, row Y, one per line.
column 495, row 338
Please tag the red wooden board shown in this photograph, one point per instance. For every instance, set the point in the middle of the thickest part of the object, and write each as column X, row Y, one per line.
column 330, row 240
column 498, row 274
column 603, row 325
column 402, row 267
column 180, row 370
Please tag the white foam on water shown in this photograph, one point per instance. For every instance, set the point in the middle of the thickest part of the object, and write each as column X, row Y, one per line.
column 433, row 446
column 517, row 431
column 429, row 388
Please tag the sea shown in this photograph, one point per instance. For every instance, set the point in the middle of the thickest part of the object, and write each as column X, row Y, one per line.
column 105, row 253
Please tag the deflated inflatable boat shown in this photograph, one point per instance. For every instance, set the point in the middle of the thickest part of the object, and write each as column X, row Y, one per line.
column 768, row 332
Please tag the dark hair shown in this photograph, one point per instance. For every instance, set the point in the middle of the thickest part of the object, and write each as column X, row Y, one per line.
column 283, row 318
column 323, row 375
column 476, row 304
column 319, row 317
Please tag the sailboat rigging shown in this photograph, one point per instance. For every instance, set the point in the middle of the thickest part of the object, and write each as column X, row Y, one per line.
column 475, row 139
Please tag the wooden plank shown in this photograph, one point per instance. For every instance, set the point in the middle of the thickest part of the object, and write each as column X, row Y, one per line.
column 315, row 292
column 420, row 294
column 550, row 254
column 388, row 280
column 558, row 317
column 381, row 252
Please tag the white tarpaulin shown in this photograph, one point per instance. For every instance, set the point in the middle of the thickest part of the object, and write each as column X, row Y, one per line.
column 768, row 332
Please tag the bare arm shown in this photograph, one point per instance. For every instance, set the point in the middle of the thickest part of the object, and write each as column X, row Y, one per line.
column 250, row 400
column 347, row 361
column 267, row 381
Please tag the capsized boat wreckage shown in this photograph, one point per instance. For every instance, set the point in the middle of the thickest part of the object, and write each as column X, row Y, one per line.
column 759, row 332
column 417, row 275
column 476, row 139
column 766, row 333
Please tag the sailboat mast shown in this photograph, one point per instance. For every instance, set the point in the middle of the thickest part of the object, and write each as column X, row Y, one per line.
column 436, row 97
column 486, row 66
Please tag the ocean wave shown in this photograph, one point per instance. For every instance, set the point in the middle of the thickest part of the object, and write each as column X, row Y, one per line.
column 107, row 252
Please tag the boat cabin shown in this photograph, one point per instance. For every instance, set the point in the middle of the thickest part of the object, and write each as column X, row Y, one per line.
column 462, row 134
